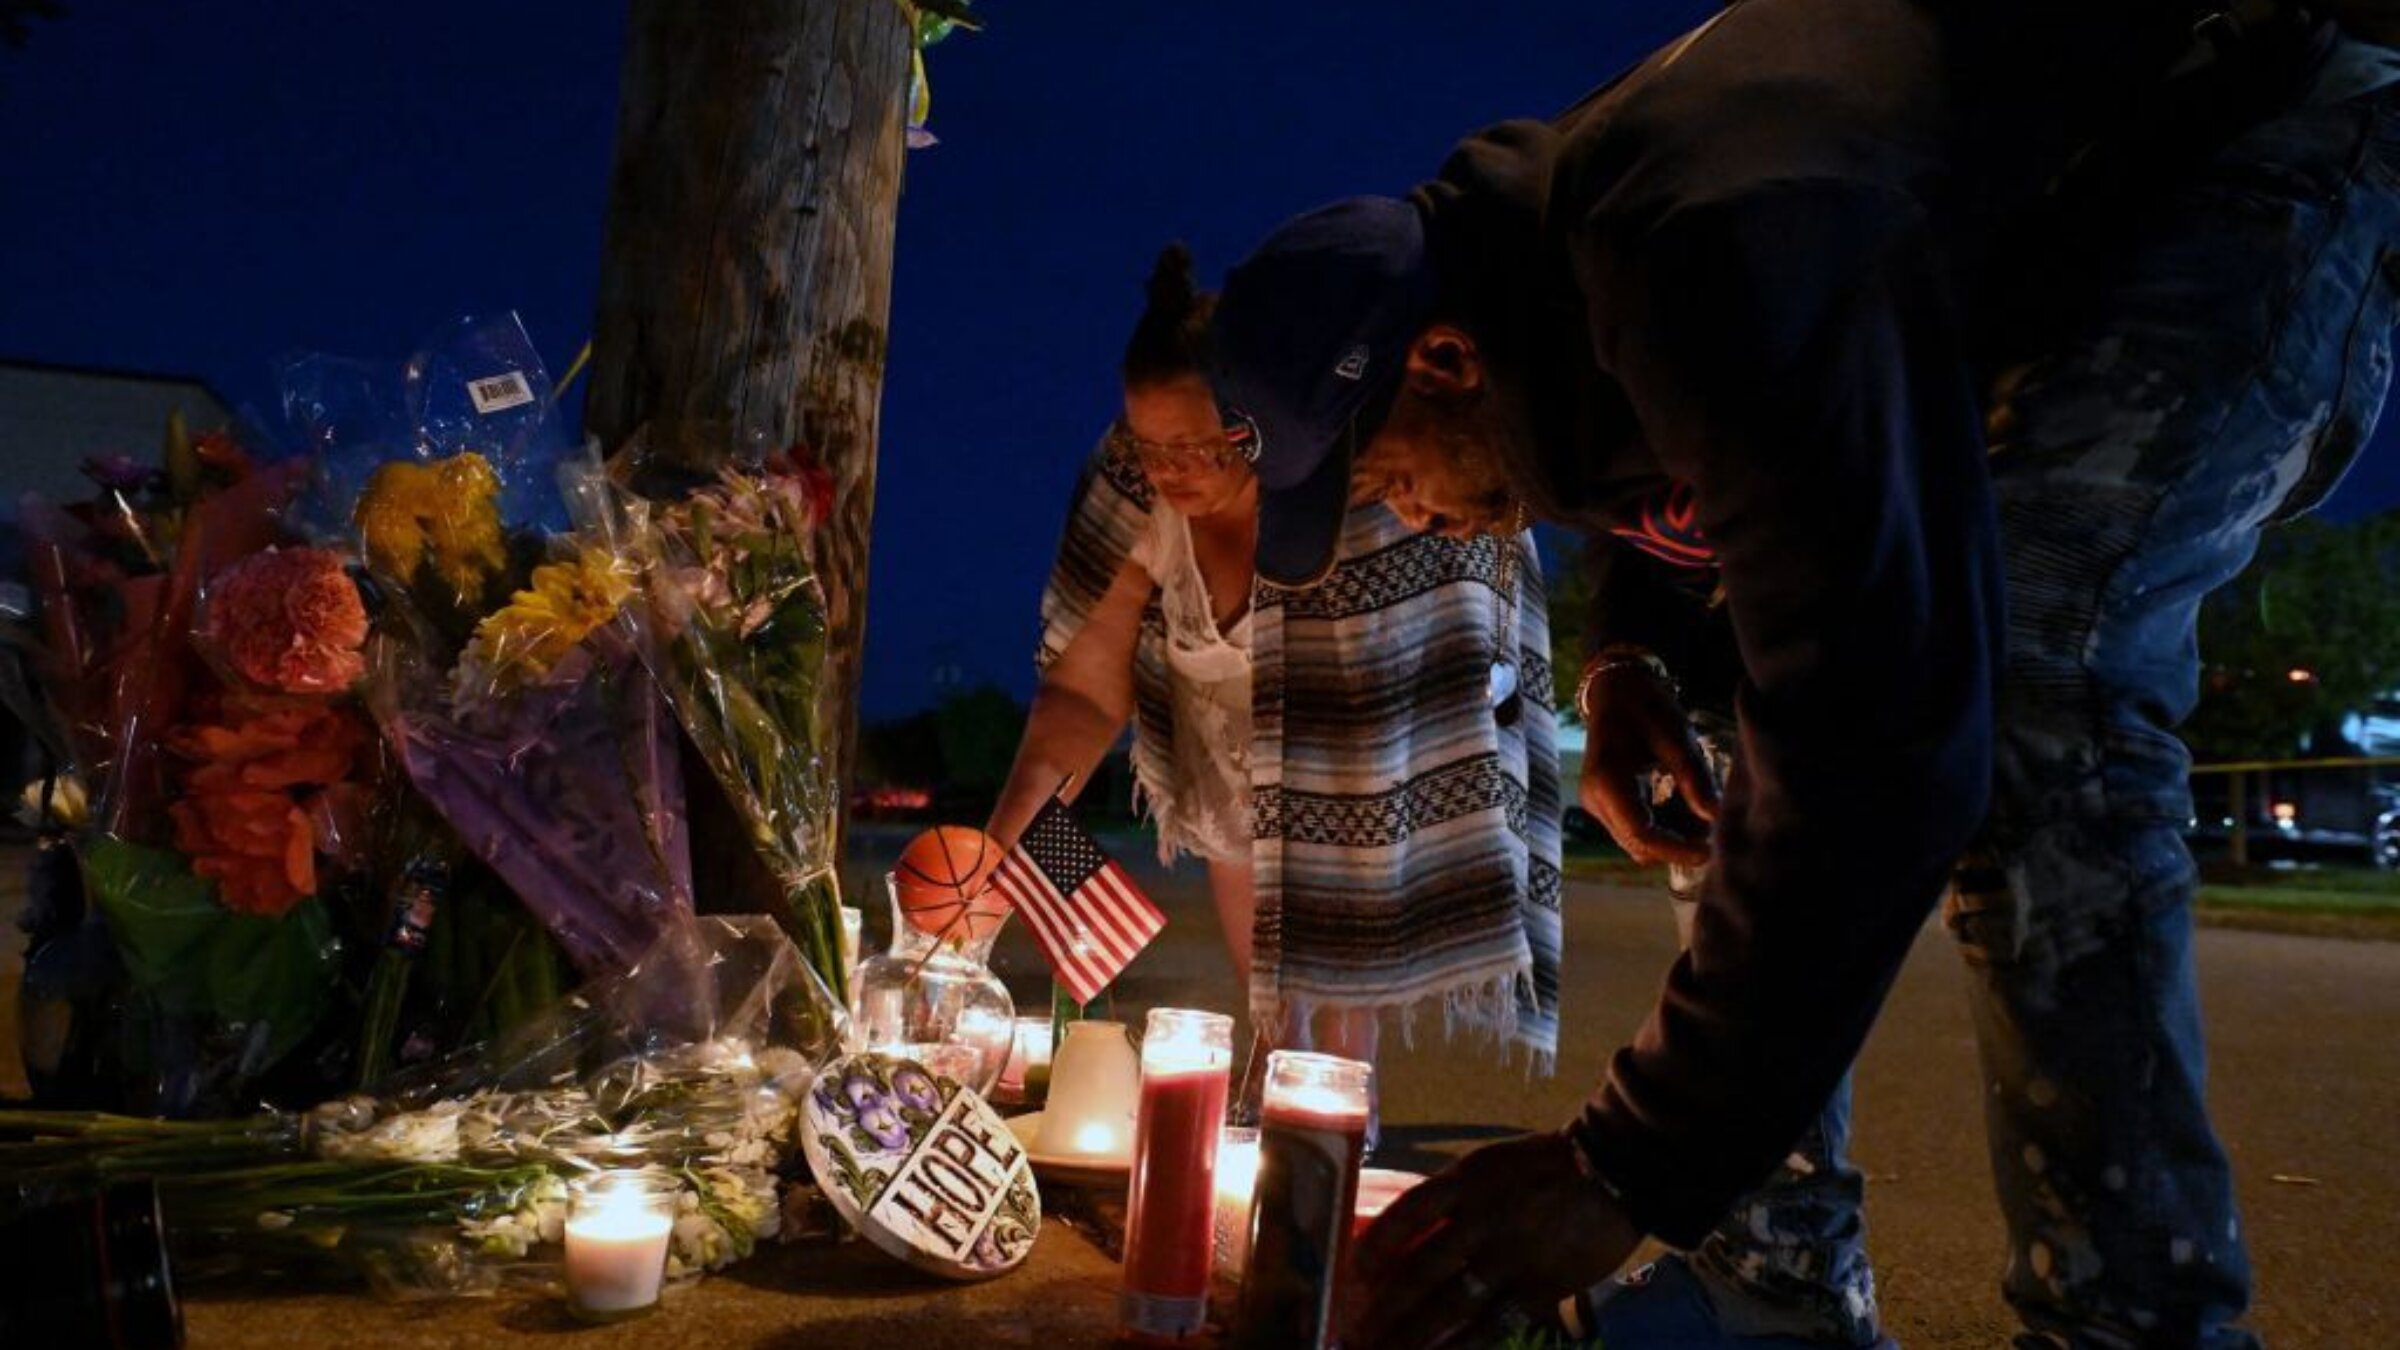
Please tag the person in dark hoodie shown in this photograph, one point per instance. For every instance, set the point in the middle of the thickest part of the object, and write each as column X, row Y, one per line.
column 1791, row 301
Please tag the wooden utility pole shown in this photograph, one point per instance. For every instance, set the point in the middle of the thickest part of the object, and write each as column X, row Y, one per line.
column 747, row 269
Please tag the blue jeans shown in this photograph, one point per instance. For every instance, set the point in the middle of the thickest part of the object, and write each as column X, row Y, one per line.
column 2236, row 361
column 2237, row 357
column 1790, row 1258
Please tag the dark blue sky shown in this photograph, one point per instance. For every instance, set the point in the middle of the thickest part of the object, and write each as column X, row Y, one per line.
column 199, row 187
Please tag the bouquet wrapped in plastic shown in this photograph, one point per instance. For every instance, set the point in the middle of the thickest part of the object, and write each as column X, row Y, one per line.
column 732, row 624
column 499, row 676
column 455, row 1178
column 115, row 581
column 199, row 656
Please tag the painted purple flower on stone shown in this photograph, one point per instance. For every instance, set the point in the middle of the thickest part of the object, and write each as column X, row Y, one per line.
column 915, row 1088
column 861, row 1092
column 881, row 1120
column 986, row 1255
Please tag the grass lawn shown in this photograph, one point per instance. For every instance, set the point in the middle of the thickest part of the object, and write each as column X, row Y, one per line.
column 2355, row 895
column 1602, row 862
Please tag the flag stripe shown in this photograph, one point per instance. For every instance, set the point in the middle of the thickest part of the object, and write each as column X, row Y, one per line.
column 1133, row 916
column 1109, row 926
column 1051, row 922
column 1084, row 911
column 1053, row 918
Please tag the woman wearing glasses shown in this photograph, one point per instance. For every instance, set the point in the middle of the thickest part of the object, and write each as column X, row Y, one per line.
column 1367, row 766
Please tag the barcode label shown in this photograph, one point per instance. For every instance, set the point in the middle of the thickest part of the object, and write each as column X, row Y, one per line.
column 499, row 393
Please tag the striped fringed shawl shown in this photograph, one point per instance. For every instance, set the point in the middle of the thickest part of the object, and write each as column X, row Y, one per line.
column 1407, row 845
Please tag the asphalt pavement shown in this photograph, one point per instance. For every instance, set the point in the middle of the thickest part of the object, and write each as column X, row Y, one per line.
column 2304, row 1039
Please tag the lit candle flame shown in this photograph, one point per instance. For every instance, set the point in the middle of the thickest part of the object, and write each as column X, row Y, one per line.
column 1237, row 1164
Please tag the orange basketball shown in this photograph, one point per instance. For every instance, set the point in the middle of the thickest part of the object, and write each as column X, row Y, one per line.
column 944, row 879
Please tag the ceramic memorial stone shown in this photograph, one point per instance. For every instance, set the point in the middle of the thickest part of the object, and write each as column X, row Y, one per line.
column 922, row 1166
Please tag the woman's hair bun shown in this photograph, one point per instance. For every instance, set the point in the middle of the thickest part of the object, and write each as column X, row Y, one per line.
column 1171, row 292
column 1170, row 341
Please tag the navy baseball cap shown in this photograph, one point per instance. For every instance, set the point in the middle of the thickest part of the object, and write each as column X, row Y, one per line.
column 1311, row 340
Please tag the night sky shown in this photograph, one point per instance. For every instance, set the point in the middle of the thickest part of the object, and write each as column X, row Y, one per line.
column 196, row 188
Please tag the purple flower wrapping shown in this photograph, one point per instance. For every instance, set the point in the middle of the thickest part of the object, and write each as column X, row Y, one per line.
column 572, row 791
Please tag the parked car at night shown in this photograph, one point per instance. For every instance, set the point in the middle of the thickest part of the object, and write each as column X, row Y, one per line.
column 2297, row 813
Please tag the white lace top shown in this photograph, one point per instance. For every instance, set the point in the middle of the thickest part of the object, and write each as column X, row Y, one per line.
column 1198, row 790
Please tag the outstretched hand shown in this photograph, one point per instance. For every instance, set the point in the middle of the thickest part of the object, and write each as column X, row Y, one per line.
column 1500, row 1238
column 1637, row 727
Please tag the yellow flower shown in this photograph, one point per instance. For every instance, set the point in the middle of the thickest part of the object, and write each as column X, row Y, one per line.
column 519, row 643
column 444, row 516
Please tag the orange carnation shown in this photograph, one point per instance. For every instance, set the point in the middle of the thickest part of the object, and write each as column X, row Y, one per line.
column 245, row 816
column 289, row 619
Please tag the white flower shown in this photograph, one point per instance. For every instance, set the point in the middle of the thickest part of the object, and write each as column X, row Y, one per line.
column 427, row 1136
column 786, row 1070
column 720, row 1216
column 698, row 1244
column 343, row 1115
column 537, row 1213
column 507, row 1235
column 70, row 807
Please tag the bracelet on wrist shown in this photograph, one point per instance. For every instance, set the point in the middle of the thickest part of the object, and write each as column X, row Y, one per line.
column 1616, row 657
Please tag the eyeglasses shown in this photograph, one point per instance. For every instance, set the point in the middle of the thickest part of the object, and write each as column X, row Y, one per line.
column 1200, row 455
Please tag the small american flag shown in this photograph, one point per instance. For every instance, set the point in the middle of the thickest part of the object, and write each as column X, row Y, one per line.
column 1086, row 914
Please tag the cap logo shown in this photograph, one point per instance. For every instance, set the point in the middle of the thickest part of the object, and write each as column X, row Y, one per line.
column 1353, row 365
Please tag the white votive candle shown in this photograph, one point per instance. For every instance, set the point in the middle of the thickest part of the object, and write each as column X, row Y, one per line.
column 618, row 1224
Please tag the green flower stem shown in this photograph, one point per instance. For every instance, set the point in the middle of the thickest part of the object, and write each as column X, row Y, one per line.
column 748, row 699
column 387, row 988
column 413, row 1193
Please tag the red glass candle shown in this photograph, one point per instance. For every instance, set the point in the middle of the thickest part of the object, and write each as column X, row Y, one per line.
column 1312, row 1136
column 1170, row 1226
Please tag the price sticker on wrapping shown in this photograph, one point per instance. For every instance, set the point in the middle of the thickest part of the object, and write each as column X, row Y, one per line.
column 922, row 1166
column 499, row 393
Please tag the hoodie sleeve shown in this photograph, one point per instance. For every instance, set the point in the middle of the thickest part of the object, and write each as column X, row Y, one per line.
column 1792, row 355
column 1636, row 600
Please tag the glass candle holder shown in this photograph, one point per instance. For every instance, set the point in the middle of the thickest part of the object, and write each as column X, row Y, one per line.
column 1026, row 1080
column 1170, row 1223
column 854, row 928
column 959, row 1063
column 937, row 988
column 1312, row 1136
column 1237, row 1186
column 618, row 1226
column 87, row 1268
column 1094, row 1088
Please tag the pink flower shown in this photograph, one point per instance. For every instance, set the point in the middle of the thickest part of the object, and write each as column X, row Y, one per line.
column 289, row 619
column 805, row 485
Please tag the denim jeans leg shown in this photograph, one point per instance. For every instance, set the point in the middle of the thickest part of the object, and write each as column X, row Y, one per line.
column 1791, row 1257
column 2238, row 361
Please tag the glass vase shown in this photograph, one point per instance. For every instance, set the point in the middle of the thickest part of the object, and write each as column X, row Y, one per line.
column 933, row 998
